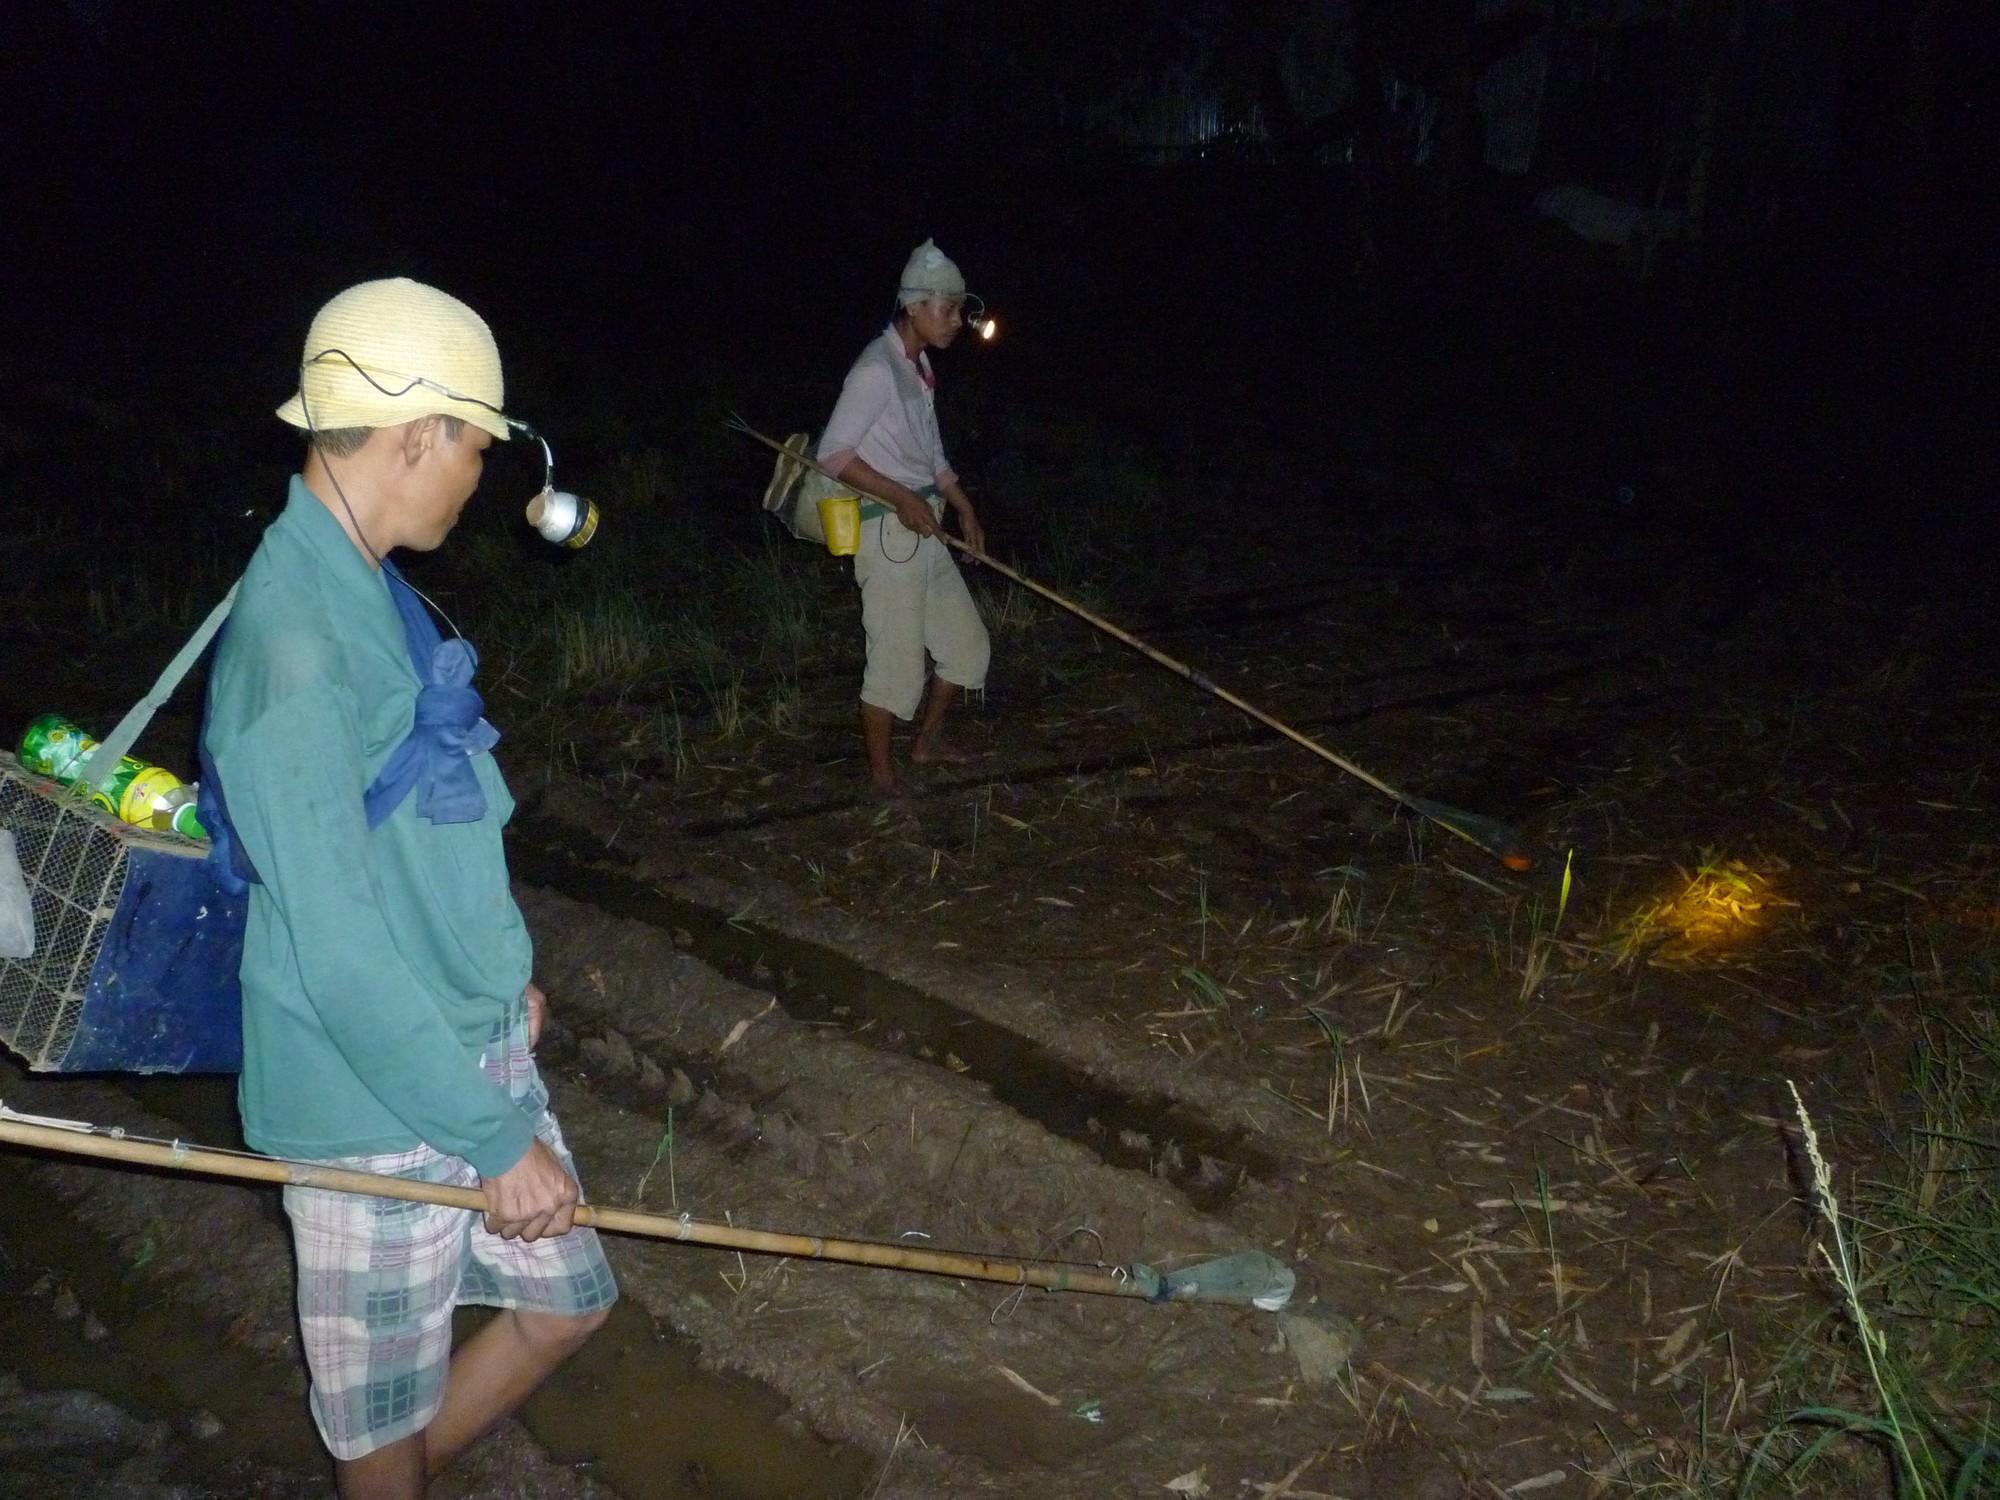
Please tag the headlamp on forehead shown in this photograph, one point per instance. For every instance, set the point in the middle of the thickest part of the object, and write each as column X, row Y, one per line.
column 973, row 308
column 979, row 320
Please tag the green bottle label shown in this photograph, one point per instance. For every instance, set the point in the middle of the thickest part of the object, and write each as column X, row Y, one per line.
column 53, row 746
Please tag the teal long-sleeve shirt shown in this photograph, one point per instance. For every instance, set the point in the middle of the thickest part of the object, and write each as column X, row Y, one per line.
column 377, row 962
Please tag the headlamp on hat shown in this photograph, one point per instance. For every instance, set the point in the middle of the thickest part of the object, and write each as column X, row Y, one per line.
column 931, row 274
column 355, row 373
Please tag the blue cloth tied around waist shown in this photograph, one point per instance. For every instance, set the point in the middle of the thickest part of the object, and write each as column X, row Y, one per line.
column 435, row 758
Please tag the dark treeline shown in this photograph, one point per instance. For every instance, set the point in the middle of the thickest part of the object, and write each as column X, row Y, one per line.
column 1237, row 184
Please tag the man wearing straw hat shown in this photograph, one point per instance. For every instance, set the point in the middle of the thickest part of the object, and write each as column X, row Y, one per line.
column 388, row 1013
column 883, row 439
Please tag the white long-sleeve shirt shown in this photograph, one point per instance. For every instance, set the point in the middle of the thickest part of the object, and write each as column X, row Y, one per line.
column 887, row 416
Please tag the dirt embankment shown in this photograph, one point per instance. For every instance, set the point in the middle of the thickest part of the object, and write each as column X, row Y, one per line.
column 1500, row 1299
column 787, row 1125
column 1008, row 995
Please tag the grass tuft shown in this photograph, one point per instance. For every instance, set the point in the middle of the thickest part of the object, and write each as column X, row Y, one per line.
column 1911, row 1364
column 1542, row 942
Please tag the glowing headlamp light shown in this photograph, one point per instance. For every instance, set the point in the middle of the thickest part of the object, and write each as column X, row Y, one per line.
column 972, row 310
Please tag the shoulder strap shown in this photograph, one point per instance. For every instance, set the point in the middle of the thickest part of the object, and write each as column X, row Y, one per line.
column 104, row 759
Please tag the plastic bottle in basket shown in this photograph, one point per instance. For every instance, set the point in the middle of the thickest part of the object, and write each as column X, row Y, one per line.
column 174, row 813
column 149, row 797
column 137, row 793
column 53, row 746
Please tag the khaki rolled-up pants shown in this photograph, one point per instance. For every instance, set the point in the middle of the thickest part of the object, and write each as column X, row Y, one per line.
column 914, row 602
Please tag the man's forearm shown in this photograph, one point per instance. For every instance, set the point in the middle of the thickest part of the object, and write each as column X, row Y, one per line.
column 955, row 496
column 865, row 477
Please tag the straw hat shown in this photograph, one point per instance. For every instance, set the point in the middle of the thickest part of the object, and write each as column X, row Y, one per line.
column 929, row 273
column 423, row 353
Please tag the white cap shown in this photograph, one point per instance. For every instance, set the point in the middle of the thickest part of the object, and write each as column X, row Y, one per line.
column 929, row 273
column 387, row 352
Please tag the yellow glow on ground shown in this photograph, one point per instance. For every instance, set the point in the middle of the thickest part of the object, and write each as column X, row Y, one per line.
column 1715, row 911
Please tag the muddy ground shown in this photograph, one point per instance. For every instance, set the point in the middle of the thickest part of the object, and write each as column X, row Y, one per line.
column 1142, row 982
column 1538, row 1152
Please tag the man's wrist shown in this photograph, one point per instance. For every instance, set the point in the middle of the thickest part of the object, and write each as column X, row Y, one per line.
column 507, row 1147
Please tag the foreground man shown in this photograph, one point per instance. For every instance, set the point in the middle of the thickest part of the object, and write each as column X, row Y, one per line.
column 388, row 1015
column 883, row 440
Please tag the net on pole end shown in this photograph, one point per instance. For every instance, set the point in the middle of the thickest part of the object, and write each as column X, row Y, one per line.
column 1250, row 1277
column 1498, row 839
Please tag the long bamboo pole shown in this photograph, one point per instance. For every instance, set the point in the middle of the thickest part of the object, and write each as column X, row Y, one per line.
column 1482, row 833
column 77, row 1139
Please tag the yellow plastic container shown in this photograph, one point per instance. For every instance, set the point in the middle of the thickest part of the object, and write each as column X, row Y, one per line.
column 840, row 519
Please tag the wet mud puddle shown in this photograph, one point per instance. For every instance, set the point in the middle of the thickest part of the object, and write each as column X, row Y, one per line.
column 632, row 1410
column 75, row 1318
column 819, row 984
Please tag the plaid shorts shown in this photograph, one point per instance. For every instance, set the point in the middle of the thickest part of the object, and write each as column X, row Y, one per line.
column 379, row 1278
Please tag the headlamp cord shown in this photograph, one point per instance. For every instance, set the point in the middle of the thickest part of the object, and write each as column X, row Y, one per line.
column 918, row 544
column 326, row 463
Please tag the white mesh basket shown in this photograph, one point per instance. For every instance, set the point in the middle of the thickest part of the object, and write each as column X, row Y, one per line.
column 134, row 961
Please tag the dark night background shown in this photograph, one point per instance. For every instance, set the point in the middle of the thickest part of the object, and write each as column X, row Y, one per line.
column 1200, row 220
column 1580, row 411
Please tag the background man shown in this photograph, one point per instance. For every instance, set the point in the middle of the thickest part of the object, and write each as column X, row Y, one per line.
column 388, row 1015
column 883, row 439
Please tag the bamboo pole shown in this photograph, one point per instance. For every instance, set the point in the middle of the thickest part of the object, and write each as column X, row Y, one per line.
column 1482, row 833
column 77, row 1139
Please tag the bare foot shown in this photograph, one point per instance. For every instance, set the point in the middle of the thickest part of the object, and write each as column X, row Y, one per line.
column 940, row 752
